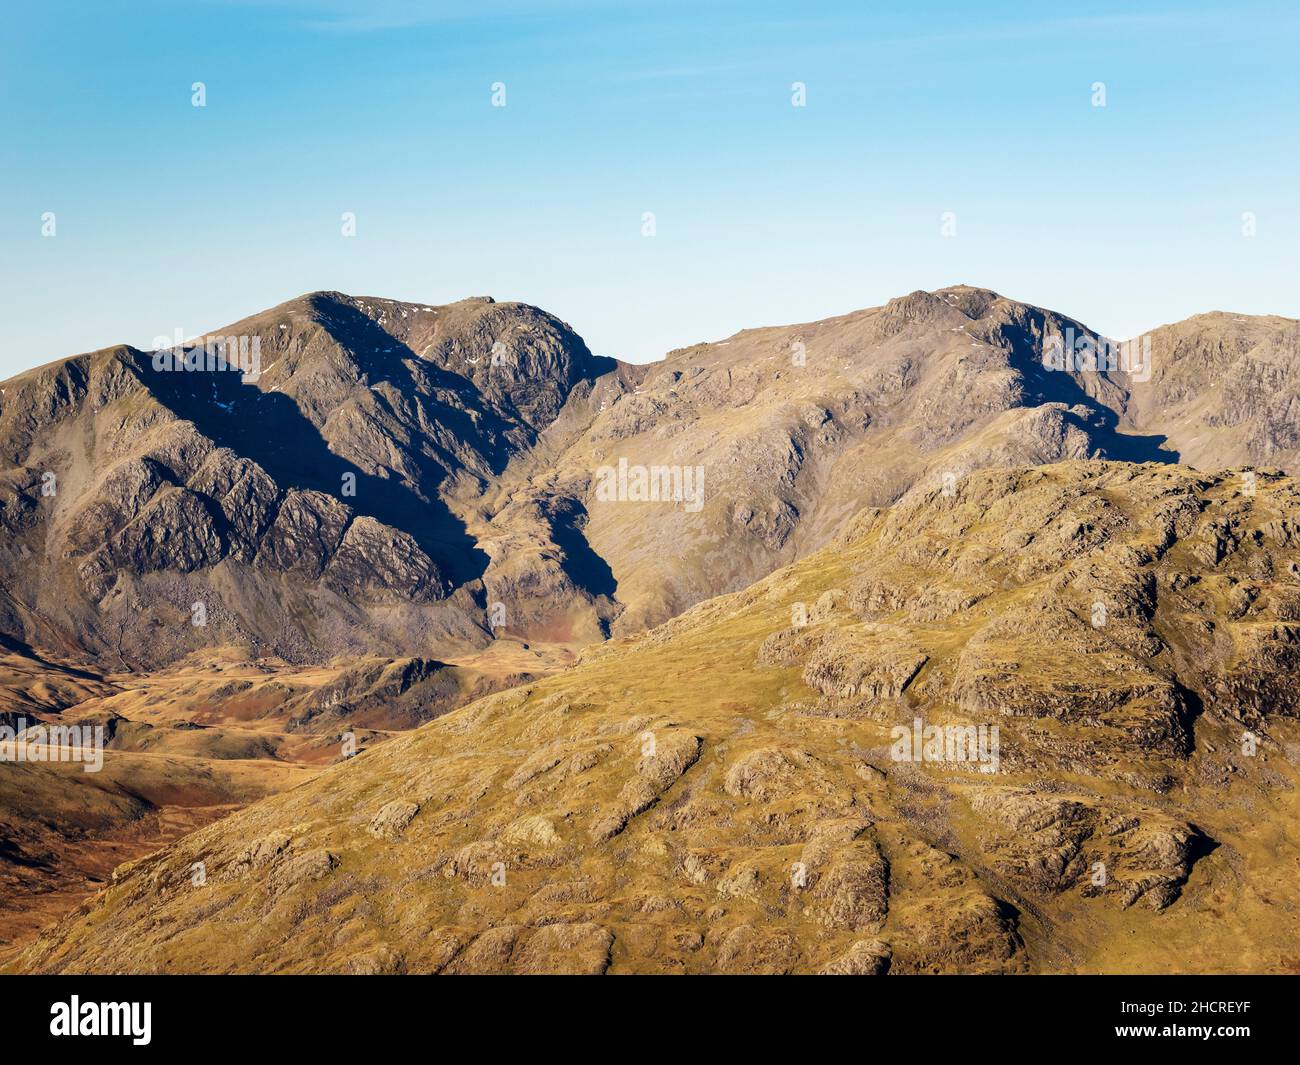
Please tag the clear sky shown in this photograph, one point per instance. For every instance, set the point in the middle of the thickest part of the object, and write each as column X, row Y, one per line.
column 172, row 216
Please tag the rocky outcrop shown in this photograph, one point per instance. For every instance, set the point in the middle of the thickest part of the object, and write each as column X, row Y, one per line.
column 1052, row 843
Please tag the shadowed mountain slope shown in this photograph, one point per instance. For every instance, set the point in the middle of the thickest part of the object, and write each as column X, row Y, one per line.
column 303, row 506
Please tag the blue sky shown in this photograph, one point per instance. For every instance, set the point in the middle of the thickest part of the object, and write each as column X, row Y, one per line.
column 171, row 216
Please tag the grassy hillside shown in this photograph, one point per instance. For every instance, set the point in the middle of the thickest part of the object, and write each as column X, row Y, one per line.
column 722, row 793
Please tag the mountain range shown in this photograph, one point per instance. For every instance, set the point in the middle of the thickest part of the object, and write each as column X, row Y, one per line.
column 395, row 469
column 684, row 609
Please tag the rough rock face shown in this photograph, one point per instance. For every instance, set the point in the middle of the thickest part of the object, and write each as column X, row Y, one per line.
column 304, row 503
column 1057, row 843
column 392, row 820
column 798, row 427
column 952, row 761
column 1225, row 389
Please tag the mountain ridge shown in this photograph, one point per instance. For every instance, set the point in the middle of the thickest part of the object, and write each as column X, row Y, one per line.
column 446, row 456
